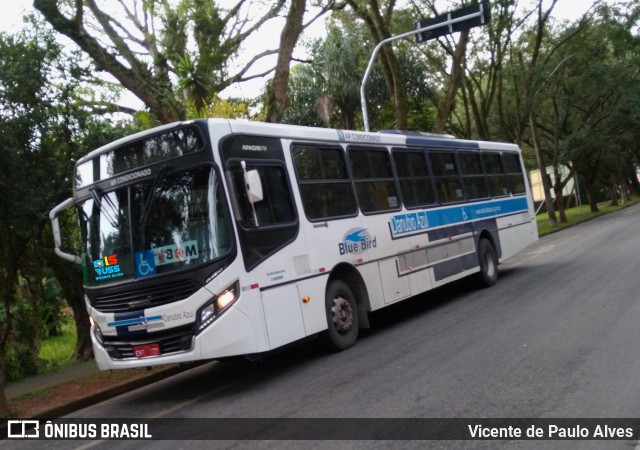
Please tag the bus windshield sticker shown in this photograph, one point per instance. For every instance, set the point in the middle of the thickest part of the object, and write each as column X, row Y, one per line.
column 148, row 260
column 107, row 268
column 145, row 263
column 174, row 253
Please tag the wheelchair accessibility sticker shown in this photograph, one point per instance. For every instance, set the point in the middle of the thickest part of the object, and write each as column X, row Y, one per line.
column 148, row 260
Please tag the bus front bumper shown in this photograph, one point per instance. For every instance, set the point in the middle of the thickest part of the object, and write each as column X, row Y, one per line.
column 230, row 335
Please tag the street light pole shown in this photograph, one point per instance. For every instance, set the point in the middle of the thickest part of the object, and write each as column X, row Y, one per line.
column 452, row 21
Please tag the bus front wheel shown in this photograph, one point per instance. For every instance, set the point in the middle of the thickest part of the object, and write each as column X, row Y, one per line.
column 488, row 260
column 342, row 316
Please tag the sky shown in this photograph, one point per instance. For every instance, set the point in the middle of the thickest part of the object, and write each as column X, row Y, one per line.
column 11, row 13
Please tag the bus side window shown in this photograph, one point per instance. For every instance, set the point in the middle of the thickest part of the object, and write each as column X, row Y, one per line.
column 275, row 208
column 324, row 182
column 415, row 183
column 374, row 181
column 475, row 184
column 495, row 174
column 445, row 172
column 514, row 173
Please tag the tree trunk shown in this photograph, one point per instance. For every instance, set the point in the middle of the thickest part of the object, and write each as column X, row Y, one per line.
column 557, row 189
column 560, row 203
column 455, row 80
column 634, row 184
column 34, row 289
column 73, row 290
column 70, row 278
column 4, row 407
column 5, row 330
column 395, row 85
column 613, row 195
column 75, row 298
column 591, row 198
column 624, row 187
column 8, row 283
column 277, row 93
column 543, row 172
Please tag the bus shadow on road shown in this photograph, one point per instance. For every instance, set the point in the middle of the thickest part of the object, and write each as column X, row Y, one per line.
column 464, row 290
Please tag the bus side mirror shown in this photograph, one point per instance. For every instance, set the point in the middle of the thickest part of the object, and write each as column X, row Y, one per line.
column 57, row 237
column 254, row 186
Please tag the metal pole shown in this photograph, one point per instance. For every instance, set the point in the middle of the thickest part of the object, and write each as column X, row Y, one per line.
column 363, row 99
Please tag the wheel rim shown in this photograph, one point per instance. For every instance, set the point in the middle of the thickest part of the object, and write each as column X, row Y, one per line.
column 489, row 263
column 341, row 314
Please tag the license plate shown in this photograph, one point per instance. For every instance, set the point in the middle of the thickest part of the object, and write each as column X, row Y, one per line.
column 144, row 351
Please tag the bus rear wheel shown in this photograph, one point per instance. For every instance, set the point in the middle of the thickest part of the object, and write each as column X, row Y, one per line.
column 342, row 316
column 488, row 260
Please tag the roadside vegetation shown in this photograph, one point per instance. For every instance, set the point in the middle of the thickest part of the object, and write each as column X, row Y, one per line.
column 579, row 214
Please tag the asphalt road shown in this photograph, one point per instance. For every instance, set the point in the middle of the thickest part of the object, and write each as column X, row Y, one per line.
column 557, row 337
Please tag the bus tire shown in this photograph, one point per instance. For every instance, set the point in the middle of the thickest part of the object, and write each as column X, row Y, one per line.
column 342, row 316
column 488, row 260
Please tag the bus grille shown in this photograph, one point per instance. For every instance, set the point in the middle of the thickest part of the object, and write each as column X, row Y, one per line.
column 178, row 339
column 138, row 299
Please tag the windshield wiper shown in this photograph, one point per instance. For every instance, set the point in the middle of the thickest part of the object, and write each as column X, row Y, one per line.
column 147, row 204
column 97, row 196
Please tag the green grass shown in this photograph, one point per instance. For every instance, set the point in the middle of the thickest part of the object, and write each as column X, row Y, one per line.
column 577, row 215
column 56, row 353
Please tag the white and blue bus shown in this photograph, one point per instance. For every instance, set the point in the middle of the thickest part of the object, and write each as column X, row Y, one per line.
column 213, row 238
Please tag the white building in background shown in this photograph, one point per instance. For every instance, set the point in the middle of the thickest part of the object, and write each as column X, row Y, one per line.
column 536, row 183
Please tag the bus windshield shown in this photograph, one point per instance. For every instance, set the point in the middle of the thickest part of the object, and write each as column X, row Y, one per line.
column 170, row 222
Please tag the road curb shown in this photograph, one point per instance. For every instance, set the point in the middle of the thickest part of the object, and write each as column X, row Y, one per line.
column 97, row 397
column 111, row 392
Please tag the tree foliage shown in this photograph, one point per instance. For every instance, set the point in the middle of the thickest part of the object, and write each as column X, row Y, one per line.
column 46, row 125
column 163, row 52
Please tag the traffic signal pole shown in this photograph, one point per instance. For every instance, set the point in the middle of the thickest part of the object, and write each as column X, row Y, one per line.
column 445, row 23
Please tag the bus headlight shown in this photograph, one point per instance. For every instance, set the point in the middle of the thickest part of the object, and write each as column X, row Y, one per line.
column 212, row 309
column 96, row 329
column 225, row 299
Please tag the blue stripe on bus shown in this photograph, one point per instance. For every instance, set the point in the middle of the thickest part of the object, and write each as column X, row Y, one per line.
column 415, row 222
column 138, row 319
column 476, row 211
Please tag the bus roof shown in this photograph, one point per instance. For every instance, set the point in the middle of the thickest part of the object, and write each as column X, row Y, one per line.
column 298, row 132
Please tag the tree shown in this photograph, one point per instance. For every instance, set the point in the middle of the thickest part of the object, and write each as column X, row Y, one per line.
column 277, row 90
column 23, row 76
column 378, row 17
column 45, row 127
column 481, row 112
column 529, row 62
column 453, row 80
column 145, row 45
column 326, row 91
column 595, row 103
